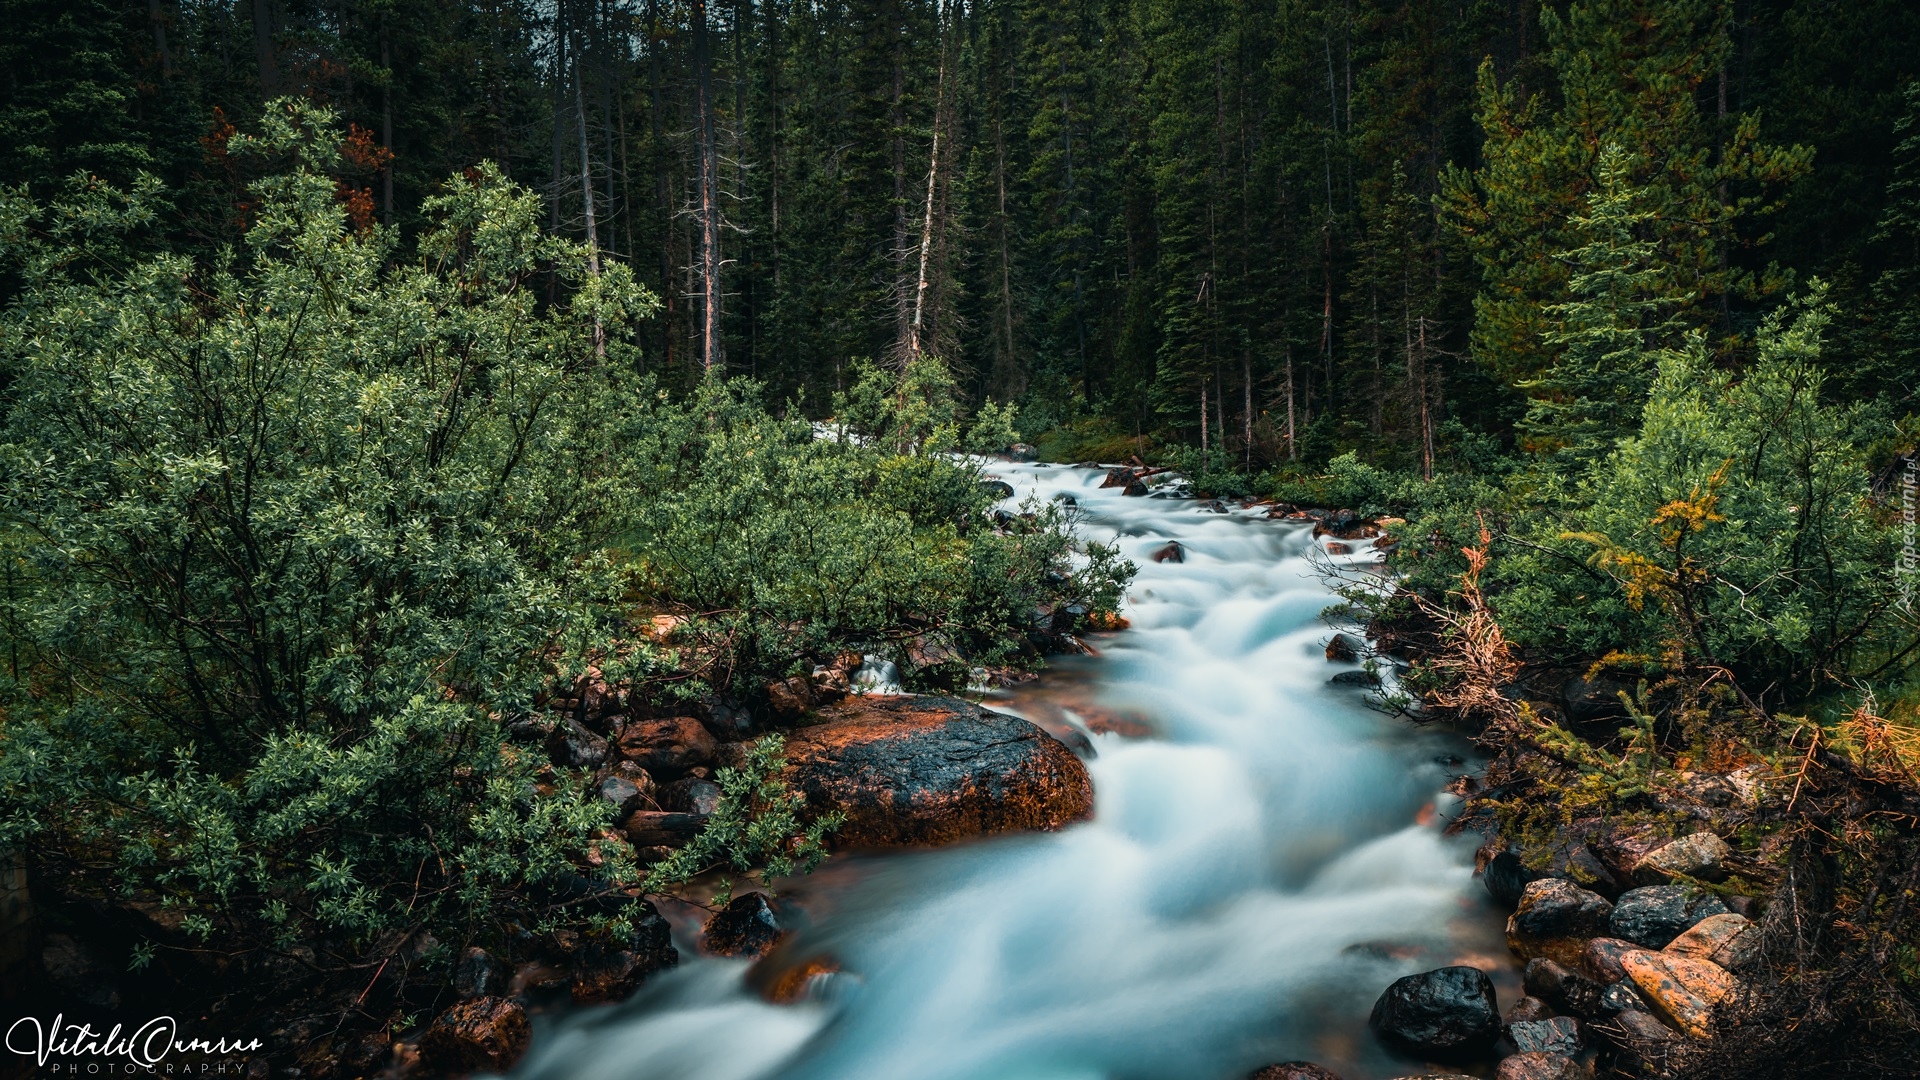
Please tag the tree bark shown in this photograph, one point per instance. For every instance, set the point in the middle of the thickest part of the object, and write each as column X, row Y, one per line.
column 263, row 49
column 157, row 19
column 707, row 196
column 915, row 332
column 586, row 186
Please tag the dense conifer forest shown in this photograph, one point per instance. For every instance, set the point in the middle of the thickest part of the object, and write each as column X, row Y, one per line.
column 1336, row 225
column 464, row 463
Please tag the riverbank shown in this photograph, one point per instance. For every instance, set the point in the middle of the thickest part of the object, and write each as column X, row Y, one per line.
column 1700, row 887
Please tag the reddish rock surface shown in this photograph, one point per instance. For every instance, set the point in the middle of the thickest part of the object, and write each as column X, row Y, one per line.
column 930, row 770
column 1727, row 940
column 483, row 1033
column 1682, row 991
column 671, row 744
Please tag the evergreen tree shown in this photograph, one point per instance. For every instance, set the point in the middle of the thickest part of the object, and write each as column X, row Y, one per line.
column 1629, row 73
column 1610, row 331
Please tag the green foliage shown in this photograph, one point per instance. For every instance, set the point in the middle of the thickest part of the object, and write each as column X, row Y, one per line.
column 757, row 825
column 283, row 532
column 1734, row 530
column 918, row 410
column 1629, row 73
column 1611, row 328
column 787, row 546
column 288, row 532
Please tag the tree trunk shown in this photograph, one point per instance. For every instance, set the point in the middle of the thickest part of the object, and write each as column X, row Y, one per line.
column 707, row 195
column 916, row 331
column 386, row 125
column 158, row 21
column 586, row 186
column 263, row 50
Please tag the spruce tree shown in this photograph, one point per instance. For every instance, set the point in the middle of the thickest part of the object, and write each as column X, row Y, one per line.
column 1629, row 74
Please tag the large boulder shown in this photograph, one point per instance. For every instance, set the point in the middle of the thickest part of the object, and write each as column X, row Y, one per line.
column 1446, row 1014
column 1555, row 918
column 932, row 770
column 1655, row 915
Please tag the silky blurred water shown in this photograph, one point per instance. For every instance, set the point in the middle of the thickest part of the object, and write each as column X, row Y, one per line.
column 1259, row 867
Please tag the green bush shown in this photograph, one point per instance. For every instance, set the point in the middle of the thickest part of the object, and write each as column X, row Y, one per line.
column 784, row 546
column 289, row 532
column 284, row 534
column 1734, row 530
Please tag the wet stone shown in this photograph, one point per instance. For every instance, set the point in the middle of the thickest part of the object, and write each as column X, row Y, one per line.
column 1554, row 919
column 1534, row 1065
column 1446, row 1013
column 483, row 1033
column 1655, row 915
column 1558, row 1035
column 746, row 927
column 1602, row 958
column 1506, row 877
column 1561, row 987
column 478, row 974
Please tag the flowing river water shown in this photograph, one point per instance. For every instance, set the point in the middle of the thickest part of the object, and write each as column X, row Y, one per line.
column 1265, row 856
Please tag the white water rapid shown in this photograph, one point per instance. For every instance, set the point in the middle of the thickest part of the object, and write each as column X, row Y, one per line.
column 1260, row 866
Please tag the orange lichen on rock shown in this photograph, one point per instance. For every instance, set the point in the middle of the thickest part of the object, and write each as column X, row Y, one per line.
column 927, row 770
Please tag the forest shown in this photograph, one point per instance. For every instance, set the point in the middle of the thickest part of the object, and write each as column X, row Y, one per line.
column 1334, row 224
column 468, row 468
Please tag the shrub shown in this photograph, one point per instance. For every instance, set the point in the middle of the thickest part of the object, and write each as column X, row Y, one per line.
column 782, row 545
column 284, row 532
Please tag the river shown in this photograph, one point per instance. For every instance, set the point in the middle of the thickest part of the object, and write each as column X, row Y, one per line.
column 1262, row 862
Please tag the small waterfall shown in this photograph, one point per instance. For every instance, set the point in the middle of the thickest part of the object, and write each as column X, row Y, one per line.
column 1265, row 858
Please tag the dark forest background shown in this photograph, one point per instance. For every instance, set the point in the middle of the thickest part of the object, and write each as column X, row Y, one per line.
column 1277, row 228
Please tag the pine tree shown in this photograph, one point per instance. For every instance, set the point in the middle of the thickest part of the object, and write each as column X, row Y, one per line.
column 1629, row 74
column 1618, row 321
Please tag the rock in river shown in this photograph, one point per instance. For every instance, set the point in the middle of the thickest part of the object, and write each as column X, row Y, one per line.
column 1448, row 1013
column 745, row 927
column 481, row 1033
column 932, row 770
